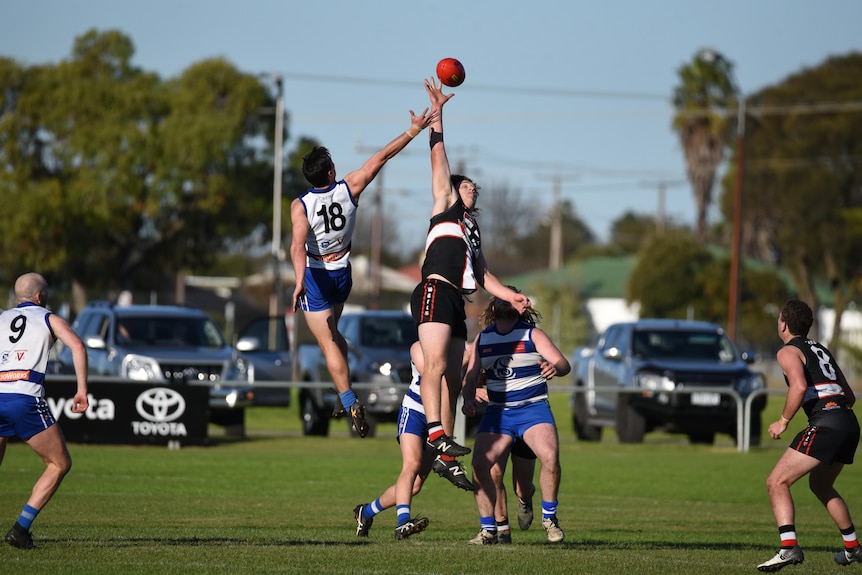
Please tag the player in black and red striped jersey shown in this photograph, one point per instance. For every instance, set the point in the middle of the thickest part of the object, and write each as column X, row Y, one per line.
column 815, row 383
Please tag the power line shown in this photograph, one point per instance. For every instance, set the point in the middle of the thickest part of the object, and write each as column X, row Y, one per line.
column 482, row 88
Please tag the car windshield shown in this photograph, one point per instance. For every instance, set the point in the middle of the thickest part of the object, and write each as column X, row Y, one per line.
column 388, row 332
column 684, row 345
column 168, row 332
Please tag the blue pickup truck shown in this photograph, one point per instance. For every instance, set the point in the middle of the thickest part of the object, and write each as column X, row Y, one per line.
column 661, row 357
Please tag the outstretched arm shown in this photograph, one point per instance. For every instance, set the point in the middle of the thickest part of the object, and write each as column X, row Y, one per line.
column 359, row 179
column 441, row 186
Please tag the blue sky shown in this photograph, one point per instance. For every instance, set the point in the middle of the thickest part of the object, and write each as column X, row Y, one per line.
column 570, row 89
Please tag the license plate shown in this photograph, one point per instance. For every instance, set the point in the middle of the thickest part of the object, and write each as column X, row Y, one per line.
column 705, row 398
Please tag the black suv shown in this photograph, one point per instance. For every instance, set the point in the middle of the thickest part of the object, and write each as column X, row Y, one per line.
column 169, row 344
column 658, row 358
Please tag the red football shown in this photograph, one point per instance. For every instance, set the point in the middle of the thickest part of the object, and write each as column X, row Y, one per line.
column 451, row 72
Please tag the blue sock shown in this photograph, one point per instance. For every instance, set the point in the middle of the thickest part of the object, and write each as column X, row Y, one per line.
column 27, row 517
column 403, row 514
column 372, row 509
column 549, row 509
column 488, row 523
column 348, row 398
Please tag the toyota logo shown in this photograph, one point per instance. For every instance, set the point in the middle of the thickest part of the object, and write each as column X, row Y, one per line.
column 160, row 404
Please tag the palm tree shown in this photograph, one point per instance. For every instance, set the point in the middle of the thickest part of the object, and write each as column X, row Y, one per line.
column 704, row 100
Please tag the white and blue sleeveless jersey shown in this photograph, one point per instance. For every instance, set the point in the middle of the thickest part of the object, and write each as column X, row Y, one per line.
column 511, row 365
column 412, row 398
column 25, row 342
column 331, row 217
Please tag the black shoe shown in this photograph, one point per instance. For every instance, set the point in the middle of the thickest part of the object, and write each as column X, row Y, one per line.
column 848, row 556
column 363, row 524
column 412, row 527
column 452, row 471
column 445, row 445
column 20, row 538
column 357, row 416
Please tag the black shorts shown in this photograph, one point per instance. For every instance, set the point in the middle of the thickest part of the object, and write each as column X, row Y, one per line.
column 437, row 301
column 829, row 444
column 521, row 449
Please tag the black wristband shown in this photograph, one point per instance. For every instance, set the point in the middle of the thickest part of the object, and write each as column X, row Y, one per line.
column 435, row 138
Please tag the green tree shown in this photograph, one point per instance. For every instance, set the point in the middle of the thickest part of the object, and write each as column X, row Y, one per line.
column 803, row 183
column 704, row 94
column 630, row 230
column 667, row 279
column 676, row 277
column 563, row 317
column 118, row 177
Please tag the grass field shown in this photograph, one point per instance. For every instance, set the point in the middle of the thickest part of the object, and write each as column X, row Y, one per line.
column 281, row 503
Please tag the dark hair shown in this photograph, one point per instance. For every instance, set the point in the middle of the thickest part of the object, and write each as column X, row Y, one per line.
column 456, row 180
column 316, row 165
column 487, row 317
column 798, row 317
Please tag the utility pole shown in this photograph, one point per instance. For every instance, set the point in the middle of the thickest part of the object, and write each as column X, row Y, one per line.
column 375, row 267
column 376, row 244
column 555, row 255
column 277, row 303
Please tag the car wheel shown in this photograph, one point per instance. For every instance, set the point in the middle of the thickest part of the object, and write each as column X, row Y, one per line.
column 314, row 421
column 631, row 425
column 702, row 437
column 583, row 430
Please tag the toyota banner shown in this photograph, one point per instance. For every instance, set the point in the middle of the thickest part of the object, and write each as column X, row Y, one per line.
column 132, row 413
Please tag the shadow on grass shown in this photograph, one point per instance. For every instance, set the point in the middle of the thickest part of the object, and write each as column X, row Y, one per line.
column 598, row 545
column 197, row 542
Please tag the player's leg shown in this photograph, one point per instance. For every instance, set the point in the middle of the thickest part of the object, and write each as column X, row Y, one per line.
column 413, row 466
column 489, row 449
column 50, row 445
column 447, row 466
column 523, row 471
column 791, row 466
column 821, row 480
column 434, row 339
column 324, row 328
column 501, row 506
column 542, row 439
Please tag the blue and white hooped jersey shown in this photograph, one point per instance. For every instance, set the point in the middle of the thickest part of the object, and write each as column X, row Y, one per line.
column 331, row 217
column 511, row 365
column 412, row 397
column 25, row 341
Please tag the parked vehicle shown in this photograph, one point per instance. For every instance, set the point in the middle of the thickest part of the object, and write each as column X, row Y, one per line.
column 169, row 344
column 378, row 354
column 660, row 356
column 264, row 343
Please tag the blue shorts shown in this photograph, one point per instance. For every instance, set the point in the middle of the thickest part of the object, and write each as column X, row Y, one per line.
column 23, row 415
column 515, row 421
column 325, row 288
column 412, row 422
